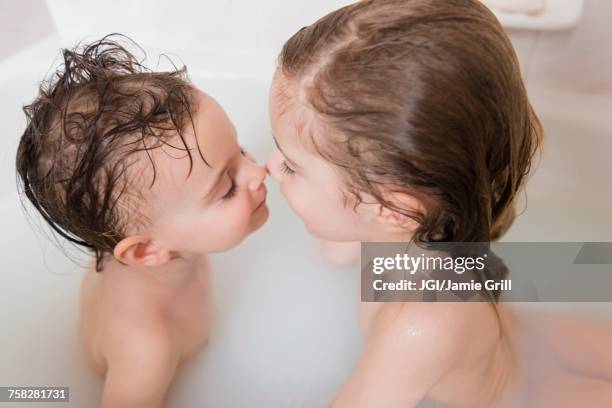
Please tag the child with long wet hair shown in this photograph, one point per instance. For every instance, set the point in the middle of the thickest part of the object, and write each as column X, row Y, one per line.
column 408, row 121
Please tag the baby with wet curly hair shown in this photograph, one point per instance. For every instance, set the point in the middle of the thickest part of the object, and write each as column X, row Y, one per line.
column 144, row 170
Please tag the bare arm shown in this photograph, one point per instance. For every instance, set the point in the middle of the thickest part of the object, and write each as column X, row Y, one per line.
column 140, row 369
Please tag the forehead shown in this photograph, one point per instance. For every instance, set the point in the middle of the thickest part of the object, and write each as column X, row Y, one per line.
column 210, row 137
column 214, row 131
column 291, row 114
column 282, row 93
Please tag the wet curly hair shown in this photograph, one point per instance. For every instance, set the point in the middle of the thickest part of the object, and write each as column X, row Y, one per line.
column 92, row 119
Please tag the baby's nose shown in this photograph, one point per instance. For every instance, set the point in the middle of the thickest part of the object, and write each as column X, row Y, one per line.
column 259, row 176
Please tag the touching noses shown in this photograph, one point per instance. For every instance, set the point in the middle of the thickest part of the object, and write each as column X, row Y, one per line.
column 272, row 164
column 258, row 177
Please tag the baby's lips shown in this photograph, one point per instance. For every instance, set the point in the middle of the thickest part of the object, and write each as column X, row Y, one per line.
column 264, row 195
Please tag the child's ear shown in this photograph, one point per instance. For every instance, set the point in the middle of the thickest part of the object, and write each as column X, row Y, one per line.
column 396, row 220
column 139, row 250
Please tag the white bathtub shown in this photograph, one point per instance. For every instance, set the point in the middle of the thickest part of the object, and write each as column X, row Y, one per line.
column 286, row 330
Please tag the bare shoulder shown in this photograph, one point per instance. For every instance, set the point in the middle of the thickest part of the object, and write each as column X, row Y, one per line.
column 126, row 338
column 443, row 330
column 141, row 363
column 413, row 343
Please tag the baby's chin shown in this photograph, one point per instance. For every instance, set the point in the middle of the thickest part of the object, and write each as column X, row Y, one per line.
column 259, row 218
column 256, row 221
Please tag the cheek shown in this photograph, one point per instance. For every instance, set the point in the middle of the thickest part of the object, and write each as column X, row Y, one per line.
column 206, row 229
column 233, row 220
column 323, row 212
column 224, row 227
column 313, row 205
column 298, row 197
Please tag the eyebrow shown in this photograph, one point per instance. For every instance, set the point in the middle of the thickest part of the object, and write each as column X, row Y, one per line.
column 294, row 164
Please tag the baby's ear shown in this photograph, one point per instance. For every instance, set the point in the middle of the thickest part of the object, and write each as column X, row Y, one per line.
column 139, row 250
column 394, row 219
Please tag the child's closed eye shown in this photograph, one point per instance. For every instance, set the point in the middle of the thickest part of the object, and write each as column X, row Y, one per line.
column 285, row 169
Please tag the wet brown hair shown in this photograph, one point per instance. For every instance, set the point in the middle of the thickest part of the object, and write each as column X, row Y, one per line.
column 434, row 89
column 426, row 96
column 90, row 118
